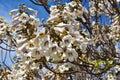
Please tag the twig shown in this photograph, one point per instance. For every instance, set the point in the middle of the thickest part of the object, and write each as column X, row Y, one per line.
column 6, row 49
column 41, row 5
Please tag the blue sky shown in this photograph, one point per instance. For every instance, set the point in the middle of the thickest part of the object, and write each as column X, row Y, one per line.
column 7, row 5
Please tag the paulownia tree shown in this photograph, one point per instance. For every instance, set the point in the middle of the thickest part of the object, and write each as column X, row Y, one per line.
column 76, row 42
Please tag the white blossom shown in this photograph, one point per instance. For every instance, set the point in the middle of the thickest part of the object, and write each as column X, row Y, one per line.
column 24, row 17
column 34, row 11
column 71, row 54
column 13, row 11
column 67, row 41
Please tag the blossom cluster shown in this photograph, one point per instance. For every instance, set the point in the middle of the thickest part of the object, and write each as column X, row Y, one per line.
column 58, row 44
column 3, row 27
column 102, row 7
column 62, row 39
column 48, row 44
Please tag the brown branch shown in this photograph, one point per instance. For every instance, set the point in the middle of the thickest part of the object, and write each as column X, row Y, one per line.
column 85, row 24
column 6, row 49
column 3, row 61
column 70, row 72
column 114, row 5
column 42, row 4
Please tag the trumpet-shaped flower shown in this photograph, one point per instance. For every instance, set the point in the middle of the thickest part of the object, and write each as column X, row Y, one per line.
column 59, row 29
column 34, row 21
column 24, row 17
column 45, row 42
column 54, row 49
column 13, row 11
column 35, row 53
column 63, row 25
column 3, row 28
column 54, row 18
column 67, row 41
column 71, row 54
column 73, row 4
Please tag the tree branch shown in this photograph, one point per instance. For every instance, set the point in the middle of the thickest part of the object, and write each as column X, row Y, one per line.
column 45, row 6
